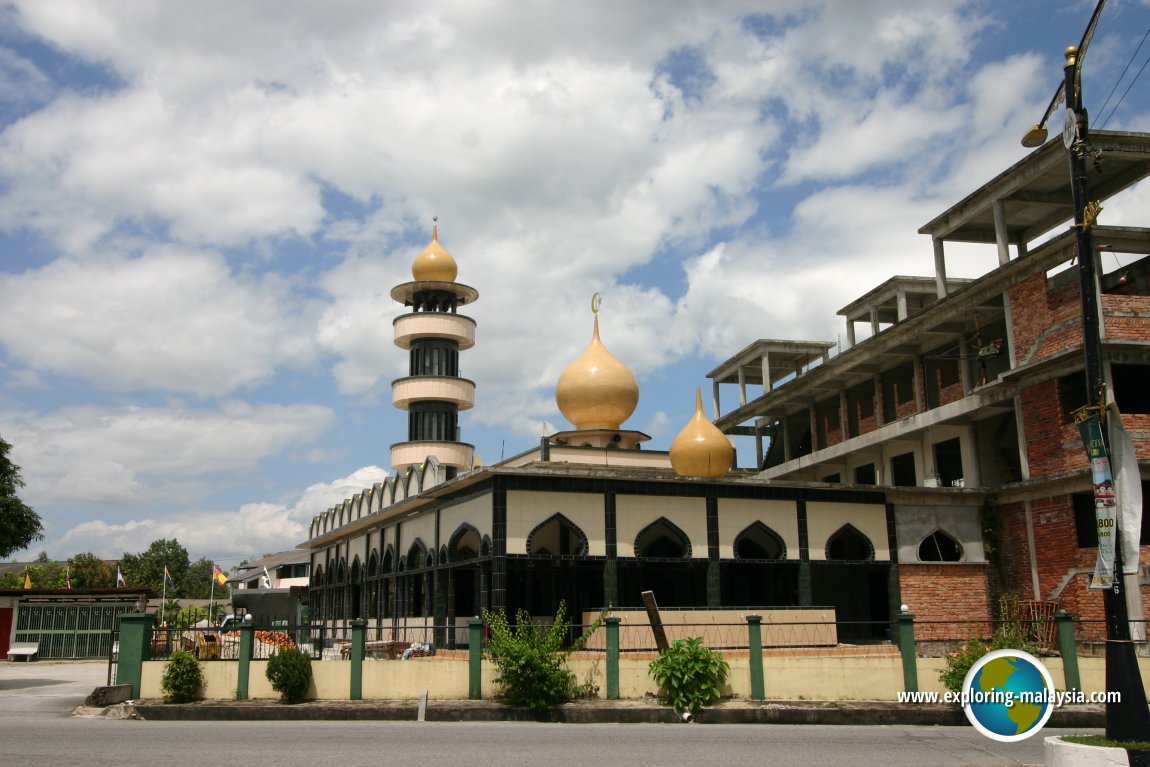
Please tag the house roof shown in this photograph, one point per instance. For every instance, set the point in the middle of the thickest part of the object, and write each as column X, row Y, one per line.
column 272, row 561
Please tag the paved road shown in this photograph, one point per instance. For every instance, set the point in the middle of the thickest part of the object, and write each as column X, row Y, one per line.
column 35, row 729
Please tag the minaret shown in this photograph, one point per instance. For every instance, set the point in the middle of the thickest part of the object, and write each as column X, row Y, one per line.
column 434, row 333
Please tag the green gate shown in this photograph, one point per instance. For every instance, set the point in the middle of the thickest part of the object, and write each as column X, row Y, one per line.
column 70, row 629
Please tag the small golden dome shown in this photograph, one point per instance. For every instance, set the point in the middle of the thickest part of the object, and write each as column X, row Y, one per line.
column 701, row 450
column 434, row 263
column 597, row 391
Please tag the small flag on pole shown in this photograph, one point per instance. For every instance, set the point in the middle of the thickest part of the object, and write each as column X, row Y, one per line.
column 168, row 582
column 68, row 577
column 265, row 579
column 120, row 582
column 27, row 579
column 219, row 576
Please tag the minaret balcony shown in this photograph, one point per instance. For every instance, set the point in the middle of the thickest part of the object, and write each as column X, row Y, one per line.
column 458, row 391
column 452, row 327
column 458, row 455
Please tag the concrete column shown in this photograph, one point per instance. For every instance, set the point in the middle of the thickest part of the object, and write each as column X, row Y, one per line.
column 850, row 333
column 765, row 362
column 755, row 643
column 906, row 648
column 475, row 659
column 612, row 658
column 358, row 630
column 874, row 321
column 940, row 268
column 742, row 387
column 243, row 671
column 1000, row 235
column 715, row 395
column 900, row 299
column 1067, row 648
column 134, row 633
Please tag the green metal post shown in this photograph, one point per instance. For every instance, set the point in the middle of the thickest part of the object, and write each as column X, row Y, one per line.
column 1066, row 646
column 247, row 634
column 358, row 631
column 755, row 643
column 612, row 658
column 475, row 659
column 134, row 631
column 909, row 656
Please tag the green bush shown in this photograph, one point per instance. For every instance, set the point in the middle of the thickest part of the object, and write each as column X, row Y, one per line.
column 689, row 674
column 182, row 681
column 289, row 671
column 531, row 661
column 1009, row 634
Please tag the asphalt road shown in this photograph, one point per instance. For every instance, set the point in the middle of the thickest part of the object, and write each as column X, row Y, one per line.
column 36, row 729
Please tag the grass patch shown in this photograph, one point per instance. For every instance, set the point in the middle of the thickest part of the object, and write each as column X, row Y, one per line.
column 1102, row 740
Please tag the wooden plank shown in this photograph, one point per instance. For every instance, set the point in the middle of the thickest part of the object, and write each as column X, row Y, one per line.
column 656, row 621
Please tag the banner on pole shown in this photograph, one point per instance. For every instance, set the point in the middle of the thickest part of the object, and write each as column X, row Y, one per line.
column 1105, row 506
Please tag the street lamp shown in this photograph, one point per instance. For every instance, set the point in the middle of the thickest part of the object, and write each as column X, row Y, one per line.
column 1128, row 719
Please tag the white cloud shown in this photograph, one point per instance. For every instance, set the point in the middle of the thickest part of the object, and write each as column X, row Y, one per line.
column 255, row 528
column 140, row 455
column 172, row 319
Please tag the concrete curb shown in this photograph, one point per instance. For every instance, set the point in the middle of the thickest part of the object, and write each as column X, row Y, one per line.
column 586, row 712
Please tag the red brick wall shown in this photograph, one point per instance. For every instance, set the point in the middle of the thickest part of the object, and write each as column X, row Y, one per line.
column 1052, row 446
column 1126, row 317
column 942, row 595
column 1044, row 323
column 1056, row 547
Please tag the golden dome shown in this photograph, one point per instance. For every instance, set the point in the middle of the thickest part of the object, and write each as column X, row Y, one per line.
column 701, row 450
column 434, row 263
column 597, row 391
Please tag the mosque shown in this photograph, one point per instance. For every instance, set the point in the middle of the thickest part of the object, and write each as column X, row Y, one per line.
column 591, row 517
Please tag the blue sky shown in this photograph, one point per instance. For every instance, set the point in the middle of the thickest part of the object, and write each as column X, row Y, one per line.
column 203, row 208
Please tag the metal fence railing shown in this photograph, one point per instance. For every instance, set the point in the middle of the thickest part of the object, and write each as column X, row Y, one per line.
column 212, row 644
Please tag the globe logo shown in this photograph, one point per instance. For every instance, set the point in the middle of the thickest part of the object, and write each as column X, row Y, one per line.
column 1008, row 695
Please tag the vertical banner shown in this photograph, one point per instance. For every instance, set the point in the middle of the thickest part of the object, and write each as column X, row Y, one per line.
column 1105, row 507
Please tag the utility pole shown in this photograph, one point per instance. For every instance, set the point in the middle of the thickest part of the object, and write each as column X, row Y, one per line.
column 1130, row 718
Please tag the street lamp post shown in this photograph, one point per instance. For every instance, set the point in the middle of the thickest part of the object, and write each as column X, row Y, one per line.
column 1130, row 718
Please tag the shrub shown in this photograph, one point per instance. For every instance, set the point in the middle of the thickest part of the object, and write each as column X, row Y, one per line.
column 689, row 675
column 531, row 661
column 289, row 671
column 182, row 681
column 1009, row 634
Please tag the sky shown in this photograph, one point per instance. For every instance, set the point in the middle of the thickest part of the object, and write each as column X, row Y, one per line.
column 204, row 207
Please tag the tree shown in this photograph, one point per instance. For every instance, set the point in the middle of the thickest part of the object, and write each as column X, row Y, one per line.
column 197, row 582
column 147, row 567
column 20, row 526
column 88, row 571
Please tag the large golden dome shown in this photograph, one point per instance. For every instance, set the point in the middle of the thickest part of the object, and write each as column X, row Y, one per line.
column 597, row 391
column 434, row 263
column 701, row 450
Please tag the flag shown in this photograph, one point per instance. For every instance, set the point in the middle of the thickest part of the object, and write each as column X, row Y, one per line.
column 27, row 580
column 68, row 577
column 220, row 578
column 265, row 579
column 120, row 579
column 1127, row 488
column 168, row 582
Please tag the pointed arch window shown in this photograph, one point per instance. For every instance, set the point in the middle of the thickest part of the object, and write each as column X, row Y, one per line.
column 850, row 545
column 758, row 541
column 557, row 537
column 416, row 555
column 939, row 547
column 465, row 544
column 662, row 539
